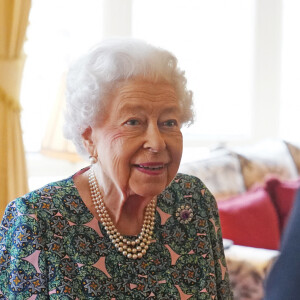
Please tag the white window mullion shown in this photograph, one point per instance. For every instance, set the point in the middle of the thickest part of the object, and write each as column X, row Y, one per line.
column 268, row 39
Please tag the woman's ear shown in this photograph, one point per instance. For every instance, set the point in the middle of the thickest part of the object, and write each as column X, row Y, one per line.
column 88, row 141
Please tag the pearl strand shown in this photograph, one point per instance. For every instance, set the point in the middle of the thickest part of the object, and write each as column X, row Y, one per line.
column 131, row 249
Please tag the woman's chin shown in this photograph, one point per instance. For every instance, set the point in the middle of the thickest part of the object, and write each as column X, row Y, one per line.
column 148, row 190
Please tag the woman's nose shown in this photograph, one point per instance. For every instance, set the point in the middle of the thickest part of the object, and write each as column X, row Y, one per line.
column 155, row 141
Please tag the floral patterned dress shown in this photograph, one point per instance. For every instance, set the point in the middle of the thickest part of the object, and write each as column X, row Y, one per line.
column 52, row 247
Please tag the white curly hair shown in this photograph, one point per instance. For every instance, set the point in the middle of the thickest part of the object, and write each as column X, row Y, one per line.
column 94, row 76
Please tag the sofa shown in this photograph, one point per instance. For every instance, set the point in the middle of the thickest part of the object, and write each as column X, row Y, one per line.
column 255, row 188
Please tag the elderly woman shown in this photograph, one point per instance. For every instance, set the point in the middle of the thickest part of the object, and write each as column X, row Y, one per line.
column 128, row 226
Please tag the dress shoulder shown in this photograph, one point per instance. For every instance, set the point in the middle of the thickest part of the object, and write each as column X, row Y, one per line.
column 187, row 181
column 31, row 234
column 36, row 200
column 189, row 186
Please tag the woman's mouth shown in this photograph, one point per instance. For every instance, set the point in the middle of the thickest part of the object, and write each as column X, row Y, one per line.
column 151, row 168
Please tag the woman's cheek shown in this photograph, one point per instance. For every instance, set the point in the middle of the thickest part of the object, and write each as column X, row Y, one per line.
column 175, row 139
column 124, row 134
column 176, row 146
column 115, row 137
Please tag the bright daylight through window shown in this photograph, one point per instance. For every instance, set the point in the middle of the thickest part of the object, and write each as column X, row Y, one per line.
column 215, row 42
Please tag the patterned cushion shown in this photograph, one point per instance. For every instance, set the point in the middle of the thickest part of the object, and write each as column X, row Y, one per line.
column 295, row 152
column 267, row 158
column 248, row 268
column 221, row 173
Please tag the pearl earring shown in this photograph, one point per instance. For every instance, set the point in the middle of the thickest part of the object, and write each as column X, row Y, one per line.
column 93, row 159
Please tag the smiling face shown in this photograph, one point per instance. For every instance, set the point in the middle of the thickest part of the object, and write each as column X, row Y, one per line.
column 139, row 143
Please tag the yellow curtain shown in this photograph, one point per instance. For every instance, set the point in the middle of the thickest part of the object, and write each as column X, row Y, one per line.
column 13, row 24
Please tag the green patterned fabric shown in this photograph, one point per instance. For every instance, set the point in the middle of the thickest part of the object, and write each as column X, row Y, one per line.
column 52, row 247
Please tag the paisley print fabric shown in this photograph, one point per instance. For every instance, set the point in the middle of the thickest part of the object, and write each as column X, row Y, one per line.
column 51, row 247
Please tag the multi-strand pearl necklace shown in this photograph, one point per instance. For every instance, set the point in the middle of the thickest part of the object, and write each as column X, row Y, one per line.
column 131, row 249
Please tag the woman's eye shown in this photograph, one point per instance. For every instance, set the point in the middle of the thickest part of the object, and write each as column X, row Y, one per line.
column 170, row 123
column 132, row 122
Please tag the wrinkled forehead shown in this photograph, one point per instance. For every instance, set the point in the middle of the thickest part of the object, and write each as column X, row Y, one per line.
column 135, row 95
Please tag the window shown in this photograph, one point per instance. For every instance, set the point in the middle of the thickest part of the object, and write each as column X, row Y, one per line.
column 229, row 50
column 290, row 72
column 214, row 43
column 58, row 32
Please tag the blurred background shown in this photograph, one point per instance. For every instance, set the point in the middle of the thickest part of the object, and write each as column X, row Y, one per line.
column 241, row 59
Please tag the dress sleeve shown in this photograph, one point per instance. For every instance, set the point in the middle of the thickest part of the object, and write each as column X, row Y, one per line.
column 215, row 233
column 21, row 252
